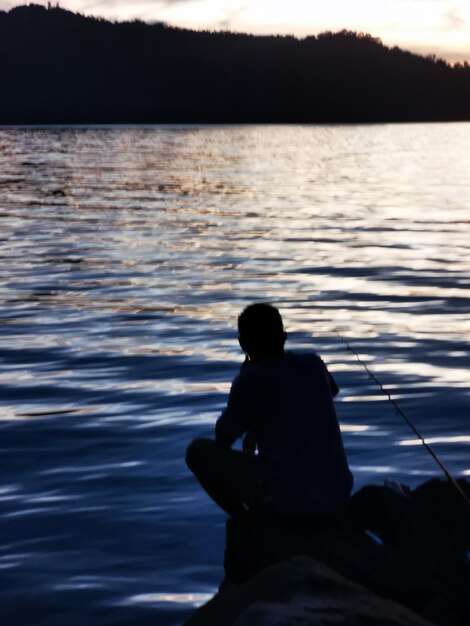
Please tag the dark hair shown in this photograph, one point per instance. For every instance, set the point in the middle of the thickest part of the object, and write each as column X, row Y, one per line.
column 262, row 324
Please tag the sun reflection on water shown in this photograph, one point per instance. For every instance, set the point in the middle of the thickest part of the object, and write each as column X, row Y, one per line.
column 193, row 599
column 433, row 440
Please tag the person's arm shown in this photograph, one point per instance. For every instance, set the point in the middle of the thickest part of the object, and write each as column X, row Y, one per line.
column 334, row 389
column 333, row 386
column 233, row 422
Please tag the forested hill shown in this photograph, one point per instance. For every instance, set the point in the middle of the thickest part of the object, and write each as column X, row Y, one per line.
column 60, row 67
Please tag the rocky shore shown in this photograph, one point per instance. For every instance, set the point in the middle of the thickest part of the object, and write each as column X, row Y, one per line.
column 394, row 559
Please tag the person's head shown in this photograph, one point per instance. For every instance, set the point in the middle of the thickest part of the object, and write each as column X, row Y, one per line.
column 261, row 332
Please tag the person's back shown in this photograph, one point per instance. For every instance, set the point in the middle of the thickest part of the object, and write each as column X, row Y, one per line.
column 281, row 403
column 287, row 403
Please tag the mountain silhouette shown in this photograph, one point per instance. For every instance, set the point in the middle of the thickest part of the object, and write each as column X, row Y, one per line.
column 59, row 67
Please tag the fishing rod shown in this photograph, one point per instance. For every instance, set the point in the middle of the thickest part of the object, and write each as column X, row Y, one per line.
column 397, row 408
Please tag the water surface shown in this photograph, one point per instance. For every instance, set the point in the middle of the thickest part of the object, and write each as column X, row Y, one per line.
column 126, row 255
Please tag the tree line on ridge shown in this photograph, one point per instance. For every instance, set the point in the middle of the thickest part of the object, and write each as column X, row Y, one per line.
column 60, row 67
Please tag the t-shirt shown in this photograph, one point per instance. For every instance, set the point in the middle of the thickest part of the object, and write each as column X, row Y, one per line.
column 287, row 404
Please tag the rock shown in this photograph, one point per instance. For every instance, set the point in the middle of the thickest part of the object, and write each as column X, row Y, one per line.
column 426, row 539
column 409, row 549
column 254, row 543
column 301, row 592
column 433, row 521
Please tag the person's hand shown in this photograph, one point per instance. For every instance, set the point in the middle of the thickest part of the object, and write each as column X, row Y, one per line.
column 246, row 363
column 249, row 443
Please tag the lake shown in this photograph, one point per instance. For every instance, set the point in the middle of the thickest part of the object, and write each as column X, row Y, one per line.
column 126, row 254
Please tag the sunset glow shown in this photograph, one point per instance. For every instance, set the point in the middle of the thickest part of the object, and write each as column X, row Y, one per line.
column 440, row 27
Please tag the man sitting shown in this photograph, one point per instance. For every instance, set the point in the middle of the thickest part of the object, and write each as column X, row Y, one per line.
column 282, row 403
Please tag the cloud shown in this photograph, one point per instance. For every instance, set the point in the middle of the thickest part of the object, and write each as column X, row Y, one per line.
column 455, row 21
column 233, row 16
column 157, row 5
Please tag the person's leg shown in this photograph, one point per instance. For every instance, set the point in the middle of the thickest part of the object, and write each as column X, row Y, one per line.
column 231, row 478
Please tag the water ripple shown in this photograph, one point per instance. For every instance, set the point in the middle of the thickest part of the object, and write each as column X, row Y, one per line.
column 126, row 255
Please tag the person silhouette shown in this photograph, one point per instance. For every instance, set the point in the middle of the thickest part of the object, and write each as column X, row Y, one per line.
column 281, row 403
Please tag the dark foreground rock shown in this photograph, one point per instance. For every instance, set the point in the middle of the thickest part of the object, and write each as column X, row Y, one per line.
column 302, row 592
column 412, row 549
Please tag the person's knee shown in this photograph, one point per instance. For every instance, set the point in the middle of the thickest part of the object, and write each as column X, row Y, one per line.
column 197, row 451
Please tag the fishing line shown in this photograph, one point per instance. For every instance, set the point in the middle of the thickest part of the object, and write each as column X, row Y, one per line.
column 407, row 420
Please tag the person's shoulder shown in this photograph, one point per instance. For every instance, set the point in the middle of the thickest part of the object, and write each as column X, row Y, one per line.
column 304, row 358
column 258, row 373
column 247, row 374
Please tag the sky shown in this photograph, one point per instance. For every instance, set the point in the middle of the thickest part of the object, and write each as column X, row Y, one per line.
column 440, row 27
